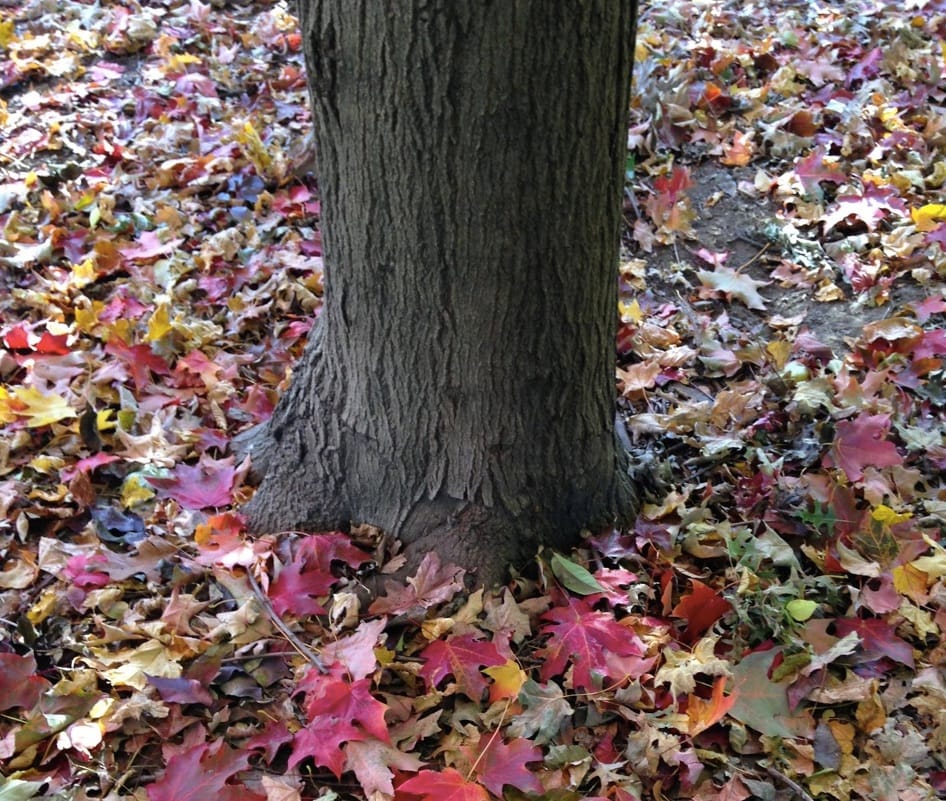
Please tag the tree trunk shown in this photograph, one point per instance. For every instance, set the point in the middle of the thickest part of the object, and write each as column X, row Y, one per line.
column 458, row 388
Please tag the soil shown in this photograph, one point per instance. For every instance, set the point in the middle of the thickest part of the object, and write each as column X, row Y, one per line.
column 728, row 219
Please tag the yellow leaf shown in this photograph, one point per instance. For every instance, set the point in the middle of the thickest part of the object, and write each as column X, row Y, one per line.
column 87, row 317
column 254, row 148
column 910, row 581
column 887, row 516
column 507, row 681
column 47, row 605
column 135, row 490
column 40, row 409
column 7, row 415
column 927, row 217
column 103, row 420
column 83, row 274
column 779, row 351
column 870, row 713
column 160, row 324
column 630, row 312
column 134, row 666
column 934, row 566
column 6, row 32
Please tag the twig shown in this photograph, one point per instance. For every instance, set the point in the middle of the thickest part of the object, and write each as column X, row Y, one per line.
column 793, row 785
column 294, row 641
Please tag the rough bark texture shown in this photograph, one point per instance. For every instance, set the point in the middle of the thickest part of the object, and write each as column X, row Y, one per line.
column 458, row 389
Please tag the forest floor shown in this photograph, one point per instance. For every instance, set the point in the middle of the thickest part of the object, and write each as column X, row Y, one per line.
column 772, row 625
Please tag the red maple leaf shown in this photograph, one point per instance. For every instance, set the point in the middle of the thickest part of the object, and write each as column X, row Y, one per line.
column 860, row 443
column 594, row 642
column 140, row 359
column 210, row 482
column 700, row 609
column 201, row 773
column 461, row 656
column 448, row 785
column 338, row 711
column 309, row 575
column 878, row 640
column 812, row 170
column 497, row 763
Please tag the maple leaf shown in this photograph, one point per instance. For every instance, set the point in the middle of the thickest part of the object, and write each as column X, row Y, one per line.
column 462, row 657
column 497, row 763
column 594, row 642
column 433, row 584
column 355, row 652
column 208, row 483
column 140, row 359
column 812, row 170
column 39, row 409
column 309, row 575
column 860, row 443
column 334, row 706
column 370, row 761
column 701, row 609
column 869, row 208
column 680, row 668
column 878, row 640
column 739, row 285
column 446, row 785
column 201, row 773
column 545, row 710
column 149, row 246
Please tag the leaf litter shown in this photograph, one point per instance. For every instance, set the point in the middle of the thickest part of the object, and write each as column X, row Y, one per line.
column 770, row 627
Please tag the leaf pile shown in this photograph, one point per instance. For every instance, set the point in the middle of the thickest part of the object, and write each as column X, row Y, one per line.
column 770, row 627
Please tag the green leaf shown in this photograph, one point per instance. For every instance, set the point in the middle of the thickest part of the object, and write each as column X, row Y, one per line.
column 18, row 790
column 762, row 704
column 800, row 609
column 574, row 576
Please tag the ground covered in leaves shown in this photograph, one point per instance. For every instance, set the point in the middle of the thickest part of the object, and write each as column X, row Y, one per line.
column 771, row 627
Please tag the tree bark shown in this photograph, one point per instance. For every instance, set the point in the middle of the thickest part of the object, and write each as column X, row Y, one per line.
column 458, row 388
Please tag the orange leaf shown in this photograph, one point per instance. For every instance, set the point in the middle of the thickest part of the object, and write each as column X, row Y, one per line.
column 705, row 713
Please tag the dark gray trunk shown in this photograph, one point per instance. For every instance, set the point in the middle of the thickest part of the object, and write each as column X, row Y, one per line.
column 458, row 390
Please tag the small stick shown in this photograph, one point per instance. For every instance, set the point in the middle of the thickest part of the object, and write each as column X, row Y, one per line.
column 799, row 790
column 294, row 641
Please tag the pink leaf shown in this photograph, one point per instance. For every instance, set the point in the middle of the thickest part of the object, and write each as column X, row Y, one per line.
column 208, row 483
column 860, row 443
column 594, row 643
column 498, row 763
column 309, row 575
